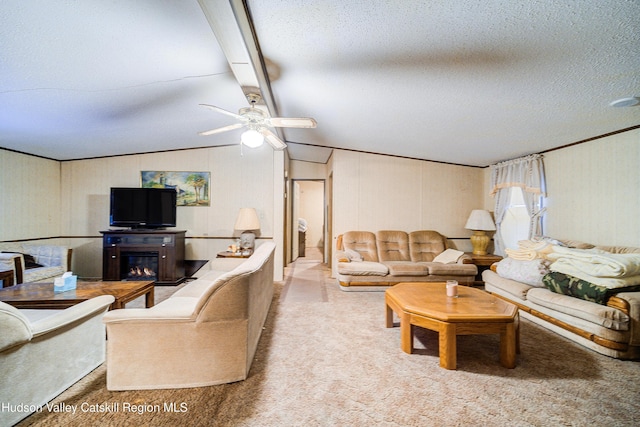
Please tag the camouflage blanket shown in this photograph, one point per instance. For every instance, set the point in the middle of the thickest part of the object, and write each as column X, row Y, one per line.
column 565, row 284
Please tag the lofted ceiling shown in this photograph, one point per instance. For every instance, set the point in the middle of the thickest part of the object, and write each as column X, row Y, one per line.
column 464, row 82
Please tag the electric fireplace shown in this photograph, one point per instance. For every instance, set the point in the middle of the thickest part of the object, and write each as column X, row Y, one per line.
column 139, row 266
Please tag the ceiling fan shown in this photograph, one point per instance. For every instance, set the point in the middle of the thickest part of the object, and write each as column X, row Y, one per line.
column 258, row 123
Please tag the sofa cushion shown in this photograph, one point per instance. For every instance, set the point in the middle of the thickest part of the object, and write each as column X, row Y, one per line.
column 407, row 268
column 438, row 269
column 393, row 245
column 364, row 268
column 512, row 289
column 363, row 242
column 602, row 315
column 42, row 273
column 425, row 245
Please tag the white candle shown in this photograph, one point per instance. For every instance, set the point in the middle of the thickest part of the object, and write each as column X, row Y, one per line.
column 452, row 288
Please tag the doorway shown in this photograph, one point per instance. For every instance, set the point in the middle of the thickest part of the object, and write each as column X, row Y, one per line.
column 308, row 234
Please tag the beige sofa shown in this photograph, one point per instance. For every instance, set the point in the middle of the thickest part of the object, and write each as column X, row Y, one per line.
column 44, row 352
column 611, row 328
column 32, row 263
column 204, row 334
column 368, row 261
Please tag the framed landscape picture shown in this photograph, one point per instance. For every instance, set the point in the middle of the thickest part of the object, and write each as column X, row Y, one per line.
column 192, row 187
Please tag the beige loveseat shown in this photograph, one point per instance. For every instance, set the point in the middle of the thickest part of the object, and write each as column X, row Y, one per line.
column 44, row 352
column 368, row 261
column 610, row 326
column 204, row 334
column 32, row 263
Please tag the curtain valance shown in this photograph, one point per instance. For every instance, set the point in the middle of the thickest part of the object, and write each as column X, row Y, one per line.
column 525, row 172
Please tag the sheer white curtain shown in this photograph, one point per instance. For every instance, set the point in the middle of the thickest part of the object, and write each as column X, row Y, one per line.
column 528, row 174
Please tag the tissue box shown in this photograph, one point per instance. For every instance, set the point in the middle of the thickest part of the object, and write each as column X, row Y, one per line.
column 63, row 284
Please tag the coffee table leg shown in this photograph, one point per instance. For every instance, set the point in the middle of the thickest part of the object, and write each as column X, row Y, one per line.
column 389, row 317
column 149, row 299
column 508, row 346
column 447, row 345
column 406, row 333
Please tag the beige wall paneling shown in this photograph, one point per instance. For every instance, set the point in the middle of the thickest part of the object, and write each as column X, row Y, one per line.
column 307, row 170
column 30, row 197
column 346, row 191
column 373, row 192
column 390, row 193
column 450, row 193
column 594, row 191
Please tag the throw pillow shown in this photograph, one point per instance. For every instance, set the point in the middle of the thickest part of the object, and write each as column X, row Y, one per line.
column 449, row 256
column 353, row 255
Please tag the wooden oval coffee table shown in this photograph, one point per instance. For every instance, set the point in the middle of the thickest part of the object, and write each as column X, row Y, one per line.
column 473, row 312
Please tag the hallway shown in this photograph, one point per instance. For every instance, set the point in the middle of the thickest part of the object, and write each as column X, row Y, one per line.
column 305, row 278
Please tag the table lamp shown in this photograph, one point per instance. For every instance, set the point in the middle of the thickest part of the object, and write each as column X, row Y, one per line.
column 247, row 222
column 480, row 221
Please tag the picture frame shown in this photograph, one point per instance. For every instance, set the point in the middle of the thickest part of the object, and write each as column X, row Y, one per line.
column 193, row 188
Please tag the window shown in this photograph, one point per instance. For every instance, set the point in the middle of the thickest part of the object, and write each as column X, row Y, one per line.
column 515, row 224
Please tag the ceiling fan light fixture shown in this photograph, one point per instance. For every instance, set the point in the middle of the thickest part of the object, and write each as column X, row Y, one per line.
column 626, row 102
column 252, row 138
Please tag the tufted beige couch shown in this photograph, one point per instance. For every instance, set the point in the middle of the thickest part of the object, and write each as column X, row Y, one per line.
column 54, row 260
column 204, row 334
column 612, row 329
column 368, row 261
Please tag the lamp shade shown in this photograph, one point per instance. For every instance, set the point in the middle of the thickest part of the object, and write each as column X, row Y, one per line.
column 247, row 220
column 480, row 220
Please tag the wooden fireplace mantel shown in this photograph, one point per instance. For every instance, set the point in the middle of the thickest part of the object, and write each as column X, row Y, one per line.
column 168, row 244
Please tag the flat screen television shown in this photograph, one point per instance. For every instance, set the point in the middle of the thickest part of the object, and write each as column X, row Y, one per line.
column 142, row 207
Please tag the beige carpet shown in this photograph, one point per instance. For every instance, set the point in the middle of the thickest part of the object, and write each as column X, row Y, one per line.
column 327, row 360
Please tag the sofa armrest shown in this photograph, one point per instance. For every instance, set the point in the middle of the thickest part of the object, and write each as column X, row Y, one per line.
column 14, row 325
column 15, row 262
column 633, row 299
column 68, row 259
column 465, row 259
column 72, row 314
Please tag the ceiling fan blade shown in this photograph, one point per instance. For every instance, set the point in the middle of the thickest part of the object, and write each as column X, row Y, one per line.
column 222, row 129
column 293, row 122
column 272, row 139
column 220, row 110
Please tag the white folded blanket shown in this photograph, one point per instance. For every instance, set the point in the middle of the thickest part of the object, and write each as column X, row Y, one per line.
column 594, row 262
column 528, row 250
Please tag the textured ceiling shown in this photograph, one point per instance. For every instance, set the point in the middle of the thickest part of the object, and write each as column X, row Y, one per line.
column 463, row 82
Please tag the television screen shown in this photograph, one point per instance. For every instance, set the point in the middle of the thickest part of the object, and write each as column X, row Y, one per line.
column 143, row 207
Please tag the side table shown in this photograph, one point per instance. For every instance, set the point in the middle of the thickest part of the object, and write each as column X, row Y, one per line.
column 227, row 254
column 6, row 277
column 483, row 262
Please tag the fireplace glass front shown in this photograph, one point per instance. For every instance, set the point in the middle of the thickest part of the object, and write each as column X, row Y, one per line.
column 139, row 266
